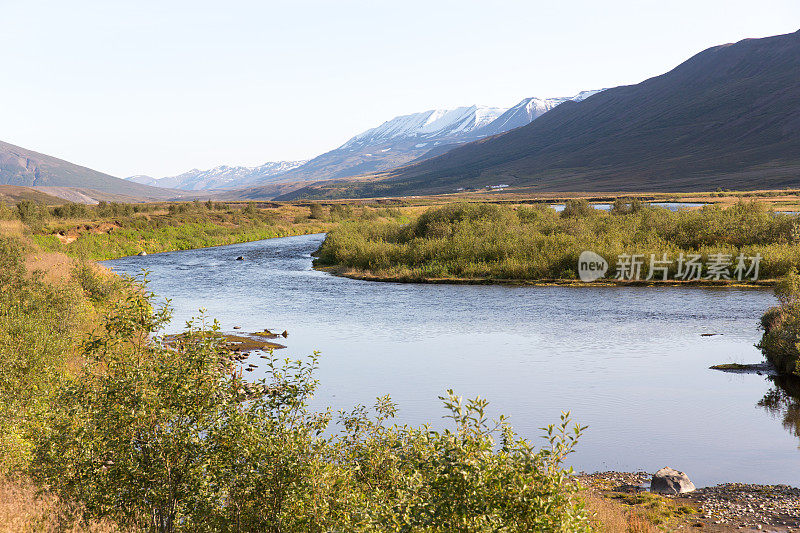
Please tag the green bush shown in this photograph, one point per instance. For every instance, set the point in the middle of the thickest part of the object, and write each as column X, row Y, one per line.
column 31, row 213
column 6, row 212
column 316, row 211
column 577, row 209
column 71, row 210
column 780, row 343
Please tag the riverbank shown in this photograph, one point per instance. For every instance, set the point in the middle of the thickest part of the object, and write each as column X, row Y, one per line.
column 110, row 231
column 621, row 499
column 370, row 276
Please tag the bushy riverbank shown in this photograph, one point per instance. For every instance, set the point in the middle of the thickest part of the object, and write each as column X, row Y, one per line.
column 125, row 432
column 780, row 343
column 536, row 243
column 109, row 231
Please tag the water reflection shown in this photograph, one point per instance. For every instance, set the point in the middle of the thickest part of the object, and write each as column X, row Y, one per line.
column 783, row 401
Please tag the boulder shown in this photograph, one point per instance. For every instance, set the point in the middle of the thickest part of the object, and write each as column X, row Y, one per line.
column 670, row 481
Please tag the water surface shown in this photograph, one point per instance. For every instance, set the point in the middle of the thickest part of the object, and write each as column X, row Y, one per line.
column 630, row 362
column 672, row 206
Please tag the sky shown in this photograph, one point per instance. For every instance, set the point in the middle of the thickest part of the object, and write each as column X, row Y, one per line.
column 158, row 87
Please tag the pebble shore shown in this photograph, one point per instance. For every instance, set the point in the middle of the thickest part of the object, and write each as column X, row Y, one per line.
column 721, row 508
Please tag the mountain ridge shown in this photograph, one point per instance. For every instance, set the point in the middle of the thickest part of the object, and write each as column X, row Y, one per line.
column 220, row 177
column 23, row 167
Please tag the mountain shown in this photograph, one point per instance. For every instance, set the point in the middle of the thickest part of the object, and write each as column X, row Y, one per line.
column 143, row 180
column 221, row 177
column 415, row 137
column 13, row 194
column 526, row 112
column 396, row 142
column 727, row 117
column 22, row 167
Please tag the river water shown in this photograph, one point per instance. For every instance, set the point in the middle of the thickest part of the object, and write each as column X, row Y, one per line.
column 629, row 362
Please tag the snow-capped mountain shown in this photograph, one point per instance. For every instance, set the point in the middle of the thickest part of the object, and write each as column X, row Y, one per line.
column 144, row 180
column 526, row 112
column 221, row 177
column 401, row 140
column 435, row 125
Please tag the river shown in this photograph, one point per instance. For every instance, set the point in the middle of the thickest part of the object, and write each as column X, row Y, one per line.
column 629, row 362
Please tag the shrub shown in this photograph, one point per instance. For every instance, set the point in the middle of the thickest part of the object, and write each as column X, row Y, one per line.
column 780, row 343
column 30, row 212
column 6, row 212
column 578, row 208
column 71, row 210
column 316, row 211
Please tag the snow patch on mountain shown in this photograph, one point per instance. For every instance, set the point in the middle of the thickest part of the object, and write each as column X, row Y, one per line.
column 220, row 177
column 527, row 111
column 427, row 125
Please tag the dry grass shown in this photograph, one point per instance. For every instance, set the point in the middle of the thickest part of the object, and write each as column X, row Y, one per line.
column 609, row 516
column 55, row 267
column 22, row 509
column 11, row 227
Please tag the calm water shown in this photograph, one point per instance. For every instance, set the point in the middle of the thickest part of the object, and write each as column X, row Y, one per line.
column 629, row 362
column 672, row 206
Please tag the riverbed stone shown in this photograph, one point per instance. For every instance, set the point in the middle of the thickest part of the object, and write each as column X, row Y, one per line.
column 671, row 481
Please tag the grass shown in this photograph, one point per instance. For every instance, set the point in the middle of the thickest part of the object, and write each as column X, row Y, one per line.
column 732, row 366
column 24, row 508
column 533, row 243
column 613, row 511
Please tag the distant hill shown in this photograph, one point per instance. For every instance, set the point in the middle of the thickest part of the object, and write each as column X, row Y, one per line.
column 19, row 166
column 727, row 117
column 13, row 194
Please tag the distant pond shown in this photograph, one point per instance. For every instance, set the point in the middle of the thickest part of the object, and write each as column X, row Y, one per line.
column 672, row 206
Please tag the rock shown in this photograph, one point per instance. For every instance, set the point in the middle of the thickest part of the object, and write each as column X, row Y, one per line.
column 670, row 481
column 142, row 253
column 240, row 258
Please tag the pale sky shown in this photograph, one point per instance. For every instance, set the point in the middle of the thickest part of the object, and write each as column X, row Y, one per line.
column 159, row 87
